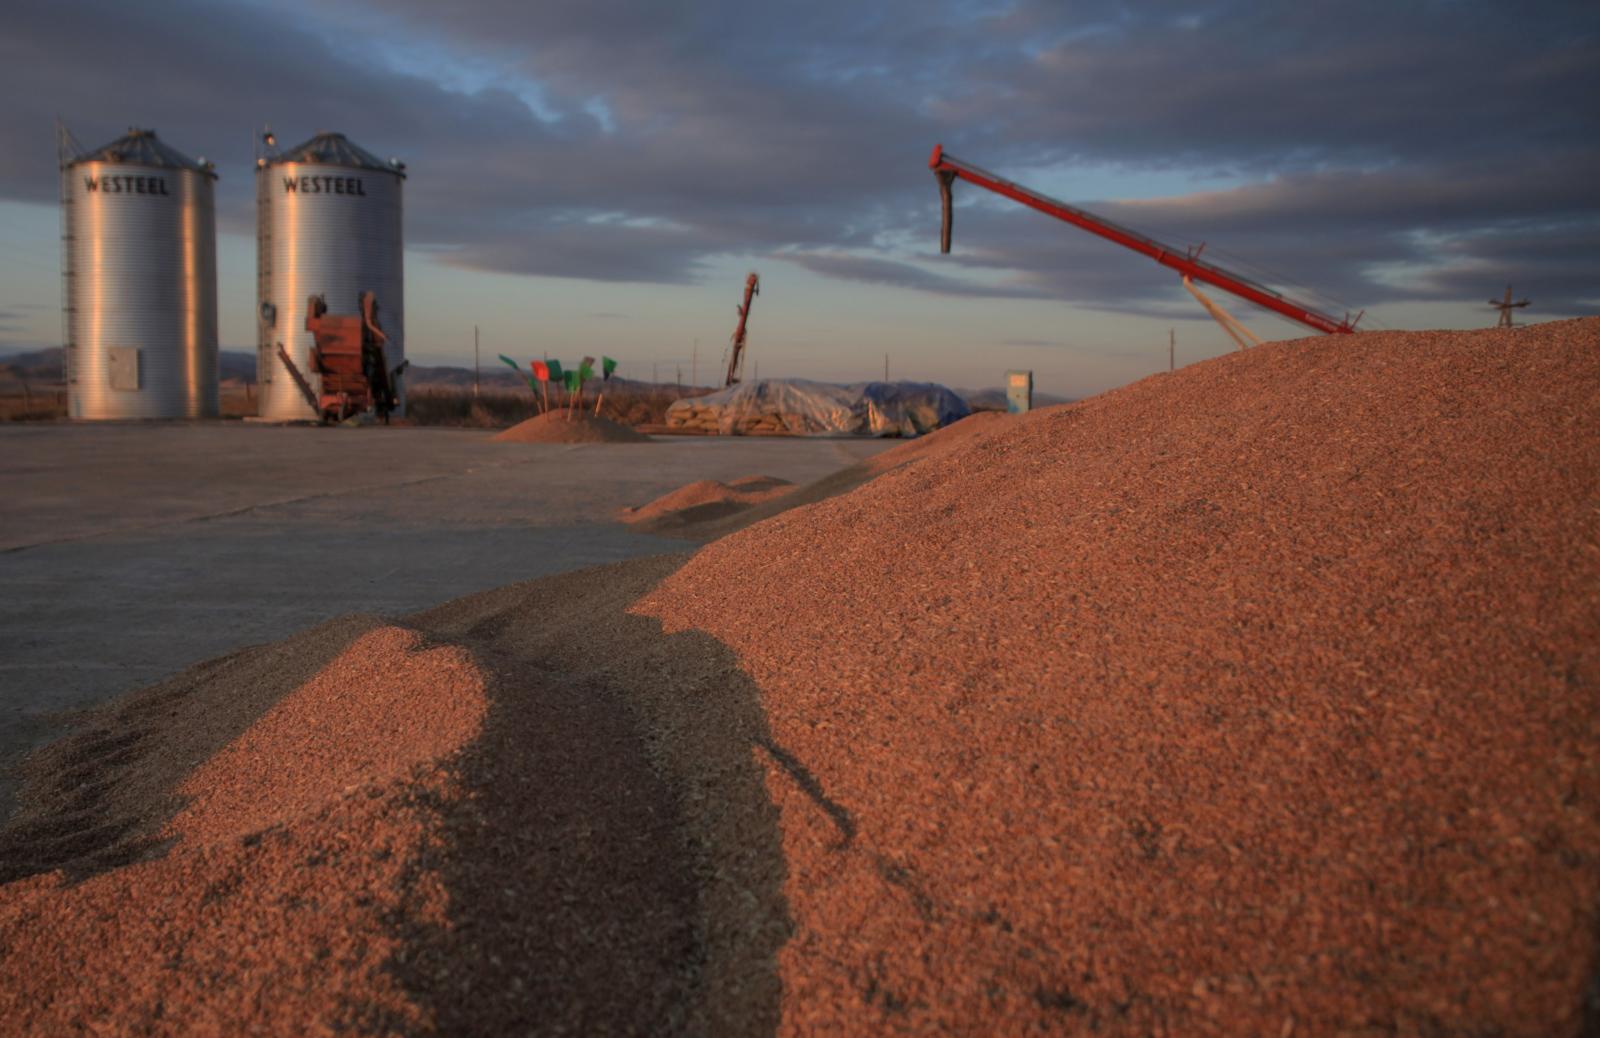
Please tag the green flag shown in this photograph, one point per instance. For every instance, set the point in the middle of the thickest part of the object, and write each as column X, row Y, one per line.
column 607, row 366
column 586, row 369
column 574, row 381
column 556, row 374
column 514, row 366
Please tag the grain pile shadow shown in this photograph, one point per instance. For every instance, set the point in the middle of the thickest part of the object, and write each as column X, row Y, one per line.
column 98, row 797
column 614, row 863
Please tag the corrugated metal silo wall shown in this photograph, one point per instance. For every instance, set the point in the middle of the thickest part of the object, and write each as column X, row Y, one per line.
column 139, row 258
column 323, row 230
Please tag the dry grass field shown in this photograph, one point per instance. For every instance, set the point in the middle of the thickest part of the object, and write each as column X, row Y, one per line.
column 427, row 405
column 30, row 402
column 630, row 404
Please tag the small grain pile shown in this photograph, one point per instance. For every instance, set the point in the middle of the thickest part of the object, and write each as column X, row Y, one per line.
column 400, row 836
column 1260, row 698
column 291, row 850
column 701, row 513
column 706, row 499
column 563, row 426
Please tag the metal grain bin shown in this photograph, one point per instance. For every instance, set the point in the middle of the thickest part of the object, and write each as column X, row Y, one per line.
column 139, row 281
column 328, row 222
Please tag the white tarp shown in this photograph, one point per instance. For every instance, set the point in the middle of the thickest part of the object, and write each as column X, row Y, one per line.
column 796, row 407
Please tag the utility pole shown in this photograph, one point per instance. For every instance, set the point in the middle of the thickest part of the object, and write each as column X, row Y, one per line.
column 1505, row 307
column 474, row 360
column 1172, row 347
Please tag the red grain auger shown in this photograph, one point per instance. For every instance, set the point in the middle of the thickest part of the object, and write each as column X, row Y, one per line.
column 752, row 288
column 1187, row 262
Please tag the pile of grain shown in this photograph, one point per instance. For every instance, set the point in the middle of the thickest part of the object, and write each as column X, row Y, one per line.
column 1262, row 698
column 705, row 499
column 402, row 839
column 293, row 850
column 569, row 426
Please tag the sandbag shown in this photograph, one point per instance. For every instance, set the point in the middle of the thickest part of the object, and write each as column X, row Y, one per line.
column 798, row 407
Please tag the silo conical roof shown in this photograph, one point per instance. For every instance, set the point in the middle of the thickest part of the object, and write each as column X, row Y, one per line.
column 334, row 149
column 143, row 148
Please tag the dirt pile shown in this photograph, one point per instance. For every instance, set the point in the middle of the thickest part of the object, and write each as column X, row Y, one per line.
column 705, row 499
column 563, row 426
column 1262, row 698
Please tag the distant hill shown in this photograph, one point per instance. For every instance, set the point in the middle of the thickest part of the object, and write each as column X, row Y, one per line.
column 35, row 365
column 238, row 364
column 994, row 399
column 503, row 380
column 498, row 378
column 45, row 365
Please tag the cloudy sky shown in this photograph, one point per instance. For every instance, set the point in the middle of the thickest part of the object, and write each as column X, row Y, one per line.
column 597, row 175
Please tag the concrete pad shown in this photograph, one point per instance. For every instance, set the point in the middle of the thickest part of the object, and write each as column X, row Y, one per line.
column 131, row 551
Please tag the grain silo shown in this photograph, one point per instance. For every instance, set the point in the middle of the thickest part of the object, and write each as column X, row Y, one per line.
column 328, row 224
column 139, row 281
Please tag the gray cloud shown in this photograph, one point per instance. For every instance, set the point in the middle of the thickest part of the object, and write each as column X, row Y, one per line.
column 1264, row 86
column 878, row 271
column 628, row 140
column 595, row 252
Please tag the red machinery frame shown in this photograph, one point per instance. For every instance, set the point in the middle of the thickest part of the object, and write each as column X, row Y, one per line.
column 752, row 288
column 1186, row 261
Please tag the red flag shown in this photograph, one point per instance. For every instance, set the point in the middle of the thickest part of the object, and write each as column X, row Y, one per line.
column 541, row 371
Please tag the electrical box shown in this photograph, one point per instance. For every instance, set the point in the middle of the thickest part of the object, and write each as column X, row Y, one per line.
column 124, row 362
column 1019, row 391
